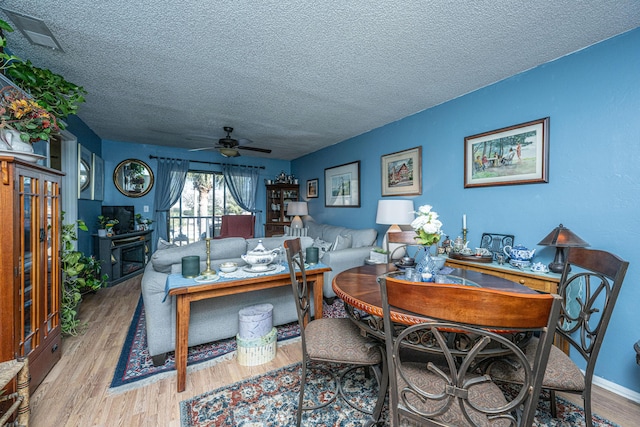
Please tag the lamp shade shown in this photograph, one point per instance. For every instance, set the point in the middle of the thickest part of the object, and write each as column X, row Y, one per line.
column 563, row 237
column 391, row 212
column 297, row 208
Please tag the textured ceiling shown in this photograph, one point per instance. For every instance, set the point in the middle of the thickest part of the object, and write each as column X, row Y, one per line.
column 295, row 76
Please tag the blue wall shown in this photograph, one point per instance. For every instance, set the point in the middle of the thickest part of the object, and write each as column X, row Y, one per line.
column 593, row 100
column 88, row 210
column 113, row 152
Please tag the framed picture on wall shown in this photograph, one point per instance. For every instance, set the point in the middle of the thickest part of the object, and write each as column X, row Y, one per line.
column 312, row 188
column 97, row 192
column 517, row 154
column 85, row 172
column 402, row 173
column 342, row 186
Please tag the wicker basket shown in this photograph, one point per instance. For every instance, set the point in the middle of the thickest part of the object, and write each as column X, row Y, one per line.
column 257, row 351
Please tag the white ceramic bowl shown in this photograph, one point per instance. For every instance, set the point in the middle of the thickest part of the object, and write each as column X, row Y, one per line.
column 228, row 267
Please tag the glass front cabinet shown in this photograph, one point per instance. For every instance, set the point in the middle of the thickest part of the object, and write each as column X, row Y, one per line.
column 278, row 197
column 30, row 290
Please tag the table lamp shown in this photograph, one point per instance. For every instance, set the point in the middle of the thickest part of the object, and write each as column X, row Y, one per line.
column 561, row 238
column 296, row 209
column 394, row 212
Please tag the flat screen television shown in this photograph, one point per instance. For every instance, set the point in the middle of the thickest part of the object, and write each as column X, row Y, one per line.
column 125, row 216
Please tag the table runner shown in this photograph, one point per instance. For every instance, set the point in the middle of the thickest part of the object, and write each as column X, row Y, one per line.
column 176, row 280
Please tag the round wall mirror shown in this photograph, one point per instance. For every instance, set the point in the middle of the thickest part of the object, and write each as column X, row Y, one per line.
column 133, row 178
column 85, row 175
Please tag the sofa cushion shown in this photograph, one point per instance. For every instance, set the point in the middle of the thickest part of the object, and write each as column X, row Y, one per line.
column 331, row 232
column 322, row 246
column 314, row 230
column 163, row 244
column 342, row 242
column 231, row 247
column 277, row 242
column 359, row 237
column 363, row 237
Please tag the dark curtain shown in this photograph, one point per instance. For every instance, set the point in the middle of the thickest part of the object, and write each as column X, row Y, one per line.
column 242, row 183
column 171, row 176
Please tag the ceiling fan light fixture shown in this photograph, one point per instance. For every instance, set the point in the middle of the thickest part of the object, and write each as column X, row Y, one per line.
column 228, row 152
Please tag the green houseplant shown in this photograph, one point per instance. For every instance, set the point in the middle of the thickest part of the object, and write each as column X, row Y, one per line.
column 80, row 274
column 50, row 90
column 106, row 223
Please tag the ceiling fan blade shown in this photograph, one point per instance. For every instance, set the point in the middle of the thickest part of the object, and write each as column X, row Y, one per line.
column 262, row 150
column 203, row 148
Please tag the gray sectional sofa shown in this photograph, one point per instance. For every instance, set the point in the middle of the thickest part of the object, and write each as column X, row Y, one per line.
column 217, row 318
column 358, row 245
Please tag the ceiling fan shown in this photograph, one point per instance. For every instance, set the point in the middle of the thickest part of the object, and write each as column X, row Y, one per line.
column 229, row 147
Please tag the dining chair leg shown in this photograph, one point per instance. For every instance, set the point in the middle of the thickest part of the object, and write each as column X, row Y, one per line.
column 303, row 380
column 586, row 400
column 383, row 384
column 552, row 404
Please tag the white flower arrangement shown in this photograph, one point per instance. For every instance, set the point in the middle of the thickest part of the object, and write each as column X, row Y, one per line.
column 427, row 226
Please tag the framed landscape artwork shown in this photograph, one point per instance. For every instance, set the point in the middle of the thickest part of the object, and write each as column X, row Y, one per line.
column 517, row 154
column 342, row 186
column 312, row 188
column 402, row 173
column 97, row 189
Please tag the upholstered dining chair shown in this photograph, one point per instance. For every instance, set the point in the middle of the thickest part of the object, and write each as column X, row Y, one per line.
column 237, row 226
column 331, row 342
column 456, row 340
column 589, row 286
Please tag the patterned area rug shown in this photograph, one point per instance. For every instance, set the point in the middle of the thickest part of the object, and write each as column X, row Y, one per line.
column 135, row 367
column 270, row 400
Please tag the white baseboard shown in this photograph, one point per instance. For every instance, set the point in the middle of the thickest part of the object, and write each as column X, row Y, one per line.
column 617, row 389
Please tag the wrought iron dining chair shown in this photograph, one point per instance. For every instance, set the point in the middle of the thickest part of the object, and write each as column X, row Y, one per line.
column 467, row 327
column 402, row 239
column 589, row 295
column 331, row 342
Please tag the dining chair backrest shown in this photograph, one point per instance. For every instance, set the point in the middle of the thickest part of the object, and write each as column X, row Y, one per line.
column 589, row 286
column 300, row 286
column 404, row 238
column 237, row 226
column 464, row 330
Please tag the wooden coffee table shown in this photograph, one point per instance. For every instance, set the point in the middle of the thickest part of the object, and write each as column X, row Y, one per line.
column 187, row 294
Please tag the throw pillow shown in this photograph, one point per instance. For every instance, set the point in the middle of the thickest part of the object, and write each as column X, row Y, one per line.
column 322, row 246
column 163, row 244
column 295, row 232
column 342, row 242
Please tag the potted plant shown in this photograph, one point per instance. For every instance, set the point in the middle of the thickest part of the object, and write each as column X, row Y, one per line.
column 105, row 225
column 80, row 274
column 24, row 116
column 51, row 91
column 143, row 223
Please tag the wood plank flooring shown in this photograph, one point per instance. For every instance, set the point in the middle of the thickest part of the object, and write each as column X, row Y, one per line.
column 75, row 393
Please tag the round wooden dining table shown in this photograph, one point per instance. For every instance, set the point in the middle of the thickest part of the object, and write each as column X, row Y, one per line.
column 359, row 289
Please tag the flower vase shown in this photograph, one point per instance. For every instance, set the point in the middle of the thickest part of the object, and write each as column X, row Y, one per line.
column 428, row 265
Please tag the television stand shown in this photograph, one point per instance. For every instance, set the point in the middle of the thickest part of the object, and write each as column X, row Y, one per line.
column 123, row 256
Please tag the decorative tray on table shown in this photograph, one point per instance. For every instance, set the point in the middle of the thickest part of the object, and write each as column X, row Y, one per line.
column 483, row 258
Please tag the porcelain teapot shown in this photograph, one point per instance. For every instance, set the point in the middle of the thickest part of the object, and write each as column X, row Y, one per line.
column 518, row 252
column 260, row 257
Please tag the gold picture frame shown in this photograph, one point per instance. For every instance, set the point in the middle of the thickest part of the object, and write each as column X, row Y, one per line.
column 402, row 173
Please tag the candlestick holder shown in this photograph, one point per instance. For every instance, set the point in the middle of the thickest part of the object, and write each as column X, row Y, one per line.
column 464, row 235
column 208, row 271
